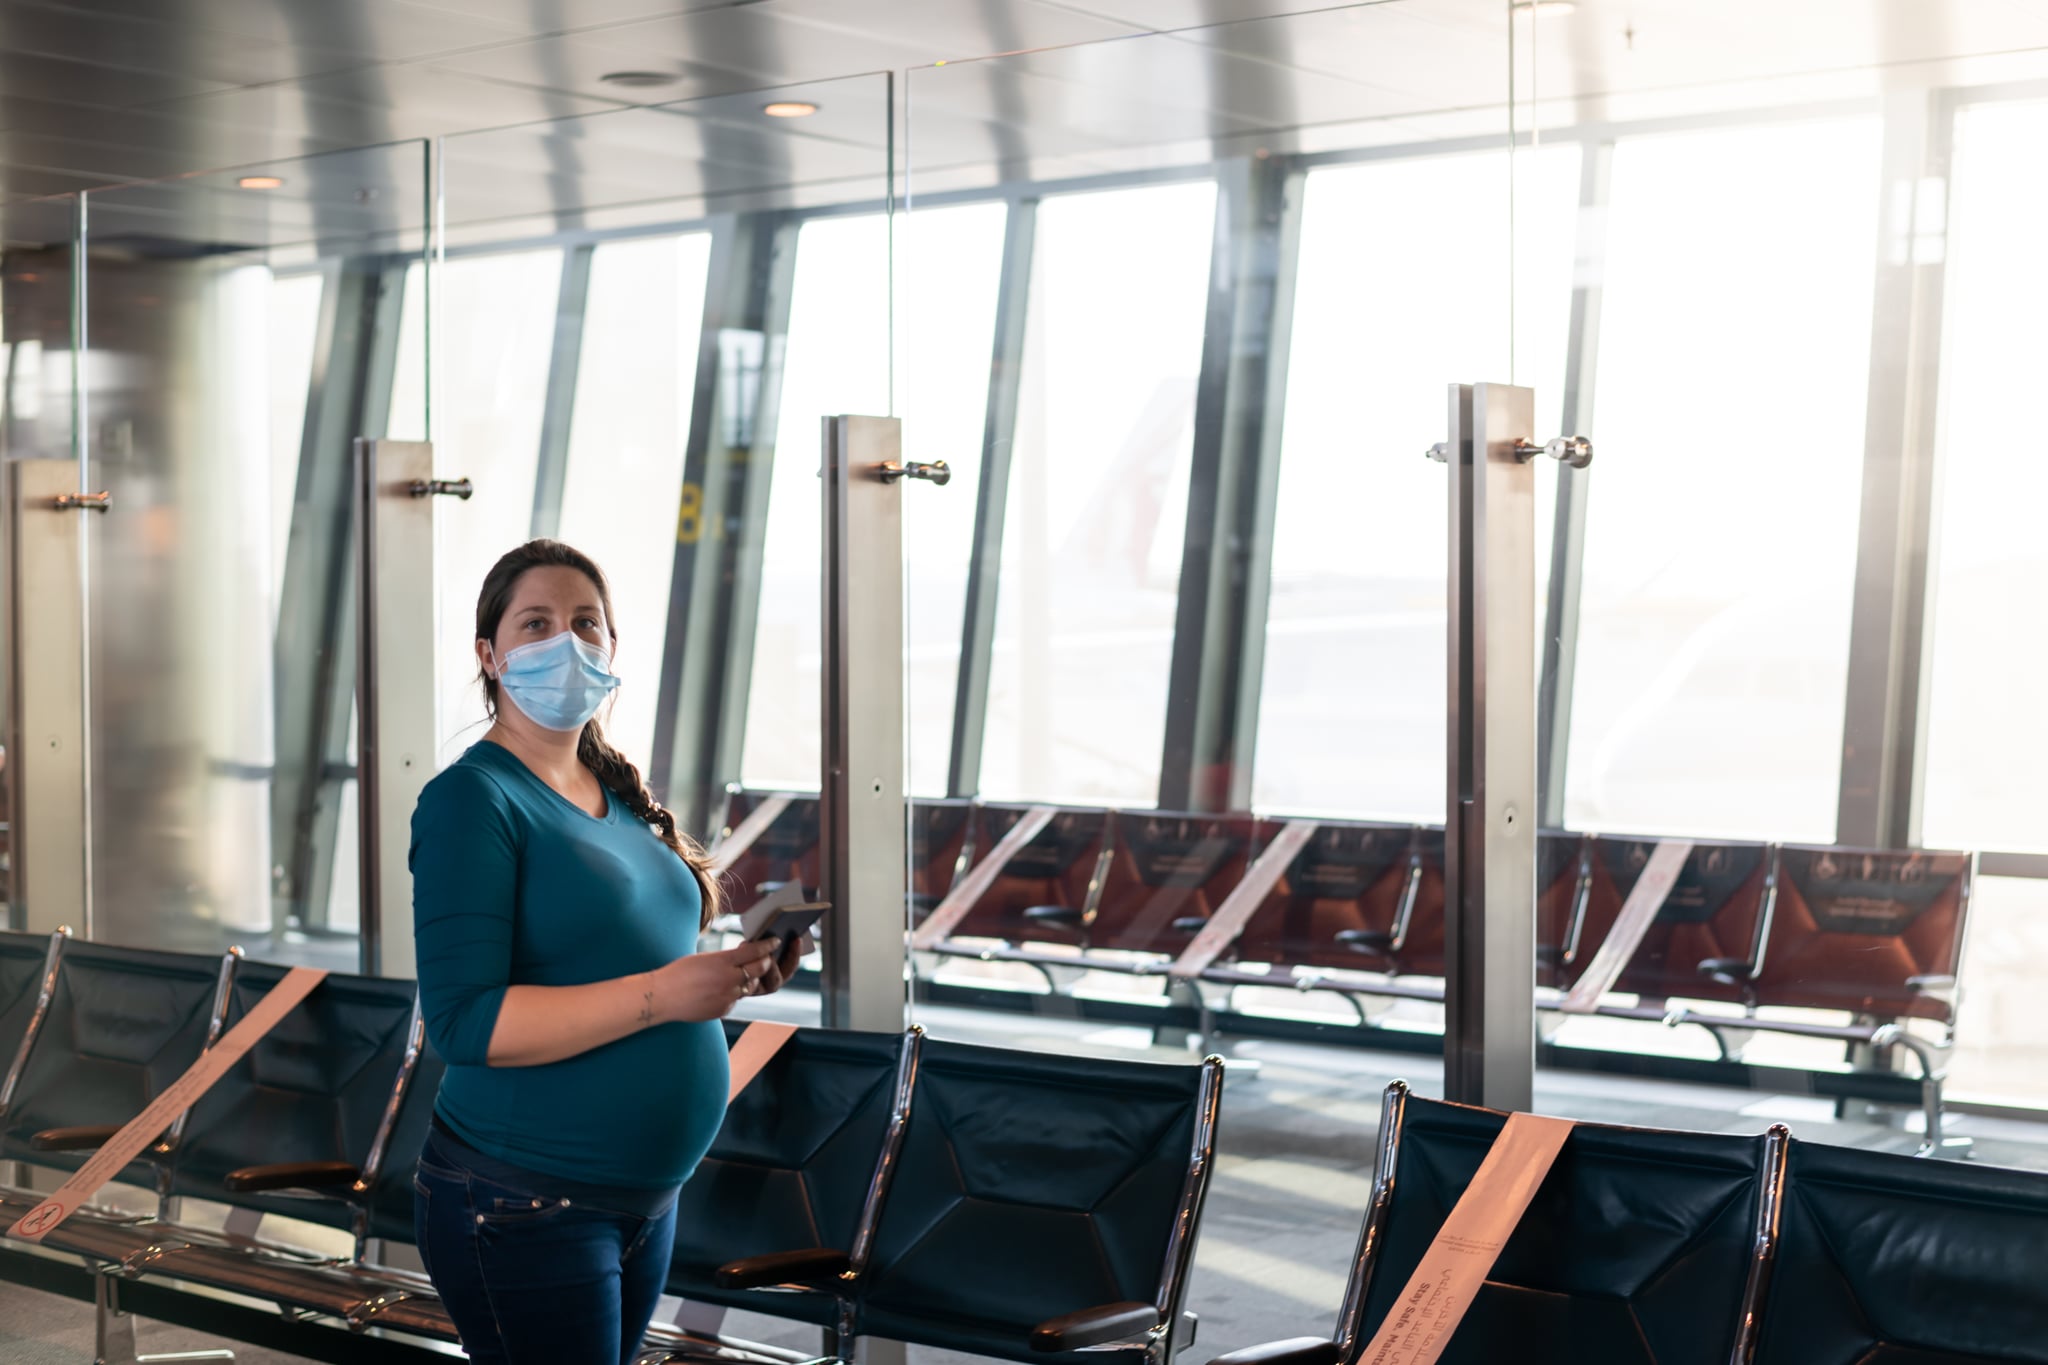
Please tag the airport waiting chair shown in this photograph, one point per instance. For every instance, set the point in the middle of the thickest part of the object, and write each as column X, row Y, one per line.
column 1639, row 1248
column 786, row 851
column 1042, row 1207
column 1876, row 933
column 293, row 1128
column 795, row 1164
column 940, row 845
column 1880, row 1259
column 28, row 973
column 121, row 1025
column 1718, row 911
column 1047, row 888
column 1565, row 877
column 1167, row 873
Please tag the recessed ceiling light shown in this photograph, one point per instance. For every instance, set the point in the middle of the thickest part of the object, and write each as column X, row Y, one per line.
column 789, row 109
column 260, row 182
column 639, row 80
column 1546, row 7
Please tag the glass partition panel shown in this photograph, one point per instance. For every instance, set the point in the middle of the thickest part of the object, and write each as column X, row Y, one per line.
column 241, row 332
column 1808, row 602
column 37, row 411
column 1213, row 250
column 1714, row 630
column 642, row 321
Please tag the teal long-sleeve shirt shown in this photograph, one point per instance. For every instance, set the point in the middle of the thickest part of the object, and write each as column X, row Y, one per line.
column 515, row 885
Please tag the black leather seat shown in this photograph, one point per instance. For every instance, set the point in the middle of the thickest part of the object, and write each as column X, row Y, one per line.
column 123, row 1024
column 291, row 1127
column 1636, row 1249
column 1888, row 1260
column 791, row 1166
column 1034, row 1204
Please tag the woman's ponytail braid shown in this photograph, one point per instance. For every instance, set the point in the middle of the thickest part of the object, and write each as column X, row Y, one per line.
column 623, row 780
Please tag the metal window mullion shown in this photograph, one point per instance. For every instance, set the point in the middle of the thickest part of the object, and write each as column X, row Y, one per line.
column 558, row 412
column 985, row 553
column 1885, row 698
column 354, row 364
column 1226, row 560
column 1559, row 674
column 715, row 584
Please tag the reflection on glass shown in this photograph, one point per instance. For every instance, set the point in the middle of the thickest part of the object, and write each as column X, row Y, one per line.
column 2001, row 1054
column 495, row 318
column 835, row 362
column 1714, row 636
column 635, row 388
column 1391, row 308
column 948, row 267
column 1098, row 495
column 1987, row 742
column 294, row 325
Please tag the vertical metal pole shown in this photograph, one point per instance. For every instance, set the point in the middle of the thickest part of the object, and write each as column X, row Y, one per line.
column 565, row 362
column 1490, row 831
column 862, row 857
column 395, row 683
column 1219, row 636
column 46, row 660
column 1884, row 712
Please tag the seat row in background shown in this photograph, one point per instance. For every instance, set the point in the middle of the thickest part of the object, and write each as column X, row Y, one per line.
column 1849, row 946
column 1003, row 1203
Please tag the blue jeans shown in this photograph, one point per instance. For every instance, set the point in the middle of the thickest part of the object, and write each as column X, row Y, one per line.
column 534, row 1269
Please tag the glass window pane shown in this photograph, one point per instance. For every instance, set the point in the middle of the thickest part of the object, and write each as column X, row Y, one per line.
column 495, row 327
column 1722, row 518
column 1351, row 707
column 2001, row 1053
column 1097, row 505
column 949, row 265
column 635, row 387
column 294, row 328
column 834, row 362
column 1987, row 739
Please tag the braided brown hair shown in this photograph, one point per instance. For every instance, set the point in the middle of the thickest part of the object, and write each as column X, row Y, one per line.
column 596, row 753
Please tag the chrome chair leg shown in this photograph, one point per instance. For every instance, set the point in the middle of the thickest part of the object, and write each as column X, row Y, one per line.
column 114, row 1333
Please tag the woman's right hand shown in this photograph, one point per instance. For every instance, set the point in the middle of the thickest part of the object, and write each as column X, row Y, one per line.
column 705, row 985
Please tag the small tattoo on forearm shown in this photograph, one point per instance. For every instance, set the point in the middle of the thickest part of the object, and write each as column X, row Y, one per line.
column 647, row 1009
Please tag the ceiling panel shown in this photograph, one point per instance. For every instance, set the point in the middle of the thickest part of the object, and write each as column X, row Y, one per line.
column 107, row 89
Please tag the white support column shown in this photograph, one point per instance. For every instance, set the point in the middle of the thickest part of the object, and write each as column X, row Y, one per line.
column 862, row 856
column 396, row 680
column 48, row 522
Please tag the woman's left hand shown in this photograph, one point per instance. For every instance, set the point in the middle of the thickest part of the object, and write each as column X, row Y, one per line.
column 784, row 967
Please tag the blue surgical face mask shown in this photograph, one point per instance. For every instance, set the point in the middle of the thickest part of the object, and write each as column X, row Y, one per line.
column 557, row 684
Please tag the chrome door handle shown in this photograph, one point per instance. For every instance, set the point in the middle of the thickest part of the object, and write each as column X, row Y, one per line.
column 101, row 501
column 1575, row 451
column 938, row 472
column 455, row 488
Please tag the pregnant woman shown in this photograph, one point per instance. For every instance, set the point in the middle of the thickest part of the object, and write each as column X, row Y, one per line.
column 556, row 913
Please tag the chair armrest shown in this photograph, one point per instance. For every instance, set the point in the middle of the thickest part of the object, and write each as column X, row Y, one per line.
column 1053, row 914
column 1094, row 1326
column 783, row 1267
column 1729, row 971
column 1930, row 985
column 1292, row 1351
column 1365, row 940
column 291, row 1175
column 82, row 1139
